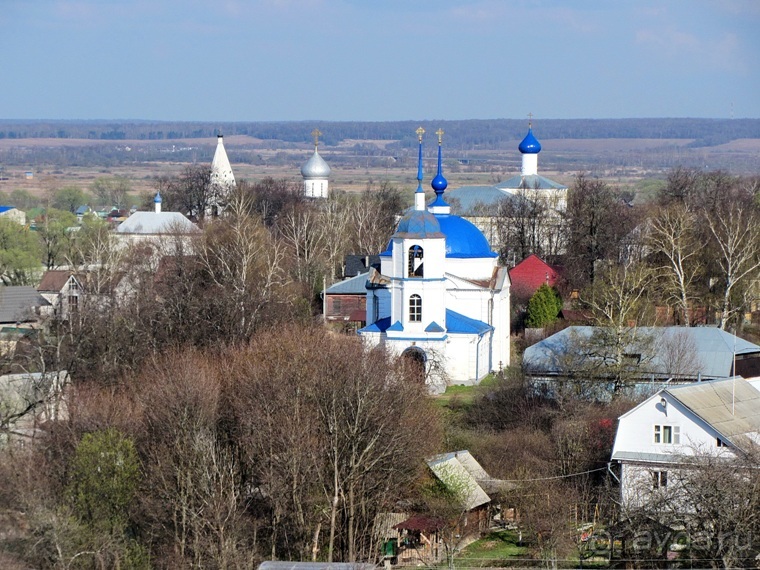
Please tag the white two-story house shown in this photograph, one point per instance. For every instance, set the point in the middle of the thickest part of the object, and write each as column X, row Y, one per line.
column 667, row 431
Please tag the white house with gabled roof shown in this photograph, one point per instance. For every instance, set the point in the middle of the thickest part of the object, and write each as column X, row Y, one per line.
column 156, row 227
column 671, row 428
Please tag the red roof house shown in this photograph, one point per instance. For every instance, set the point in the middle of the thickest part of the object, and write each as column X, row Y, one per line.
column 532, row 272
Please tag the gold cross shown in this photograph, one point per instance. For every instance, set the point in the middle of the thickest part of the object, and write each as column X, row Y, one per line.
column 439, row 132
column 530, row 119
column 315, row 133
column 420, row 131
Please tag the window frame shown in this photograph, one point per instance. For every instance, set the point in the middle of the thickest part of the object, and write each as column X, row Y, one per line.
column 659, row 479
column 667, row 434
column 415, row 308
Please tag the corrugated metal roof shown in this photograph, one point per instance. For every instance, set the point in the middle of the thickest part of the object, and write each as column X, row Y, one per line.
column 455, row 475
column 713, row 347
column 643, row 457
column 157, row 223
column 353, row 286
column 530, row 182
column 466, row 200
column 53, row 280
column 731, row 406
column 17, row 302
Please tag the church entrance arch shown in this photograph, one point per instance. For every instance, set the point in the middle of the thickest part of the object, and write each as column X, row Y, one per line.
column 417, row 360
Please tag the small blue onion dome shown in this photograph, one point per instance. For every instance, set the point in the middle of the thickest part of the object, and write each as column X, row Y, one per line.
column 439, row 183
column 530, row 144
column 157, row 199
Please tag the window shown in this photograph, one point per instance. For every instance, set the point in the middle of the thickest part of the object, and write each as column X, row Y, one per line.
column 73, row 285
column 632, row 359
column 415, row 309
column 659, row 479
column 73, row 301
column 414, row 268
column 667, row 434
column 720, row 443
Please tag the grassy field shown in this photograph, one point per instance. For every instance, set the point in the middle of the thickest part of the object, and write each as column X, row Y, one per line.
column 493, row 550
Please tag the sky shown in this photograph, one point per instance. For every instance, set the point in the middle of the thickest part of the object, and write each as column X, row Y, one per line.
column 378, row 60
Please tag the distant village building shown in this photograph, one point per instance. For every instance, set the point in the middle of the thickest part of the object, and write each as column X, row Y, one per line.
column 62, row 289
column 156, row 228
column 532, row 272
column 20, row 304
column 480, row 204
column 440, row 296
column 13, row 213
column 653, row 355
column 315, row 173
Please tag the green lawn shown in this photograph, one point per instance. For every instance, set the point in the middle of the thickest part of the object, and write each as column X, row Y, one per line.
column 493, row 548
column 463, row 395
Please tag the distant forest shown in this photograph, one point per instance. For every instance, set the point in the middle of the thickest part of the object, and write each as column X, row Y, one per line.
column 469, row 134
column 481, row 145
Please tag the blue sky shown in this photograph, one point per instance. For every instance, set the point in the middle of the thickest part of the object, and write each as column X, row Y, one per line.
column 376, row 60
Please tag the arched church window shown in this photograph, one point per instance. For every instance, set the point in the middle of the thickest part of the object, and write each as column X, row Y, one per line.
column 415, row 262
column 415, row 309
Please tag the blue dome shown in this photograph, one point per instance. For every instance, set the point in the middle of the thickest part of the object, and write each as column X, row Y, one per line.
column 463, row 239
column 420, row 223
column 530, row 144
column 157, row 199
column 439, row 183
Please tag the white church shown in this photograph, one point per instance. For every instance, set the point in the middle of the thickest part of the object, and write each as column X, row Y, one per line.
column 440, row 296
column 315, row 173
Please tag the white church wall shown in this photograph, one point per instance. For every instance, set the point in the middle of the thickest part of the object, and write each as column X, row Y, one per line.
column 471, row 268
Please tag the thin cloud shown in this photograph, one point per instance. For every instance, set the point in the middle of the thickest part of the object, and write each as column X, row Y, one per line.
column 723, row 52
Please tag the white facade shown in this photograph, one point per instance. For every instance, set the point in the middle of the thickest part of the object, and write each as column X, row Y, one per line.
column 440, row 294
column 316, row 176
column 222, row 176
column 167, row 232
column 656, row 438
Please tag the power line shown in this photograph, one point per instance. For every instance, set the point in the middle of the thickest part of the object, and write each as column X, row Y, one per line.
column 555, row 477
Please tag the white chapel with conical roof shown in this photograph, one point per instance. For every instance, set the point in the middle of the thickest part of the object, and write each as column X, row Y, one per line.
column 222, row 177
column 440, row 296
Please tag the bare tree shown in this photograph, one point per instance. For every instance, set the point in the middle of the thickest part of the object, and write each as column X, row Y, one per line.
column 531, row 221
column 191, row 193
column 617, row 300
column 242, row 259
column 672, row 234
column 713, row 500
column 306, row 238
column 598, row 223
column 735, row 231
